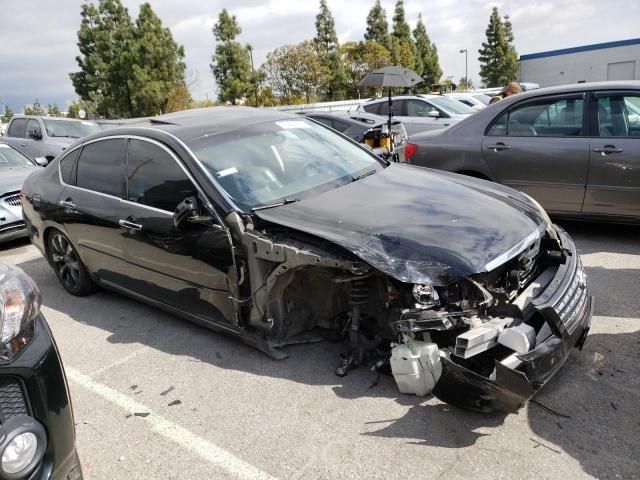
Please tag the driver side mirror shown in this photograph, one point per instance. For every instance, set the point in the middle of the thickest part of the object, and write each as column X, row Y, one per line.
column 434, row 113
column 187, row 213
column 35, row 134
column 43, row 162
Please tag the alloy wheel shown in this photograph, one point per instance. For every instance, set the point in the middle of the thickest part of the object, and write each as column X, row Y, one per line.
column 65, row 261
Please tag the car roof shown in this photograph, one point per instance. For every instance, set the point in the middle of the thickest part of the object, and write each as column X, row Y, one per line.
column 46, row 117
column 354, row 117
column 191, row 124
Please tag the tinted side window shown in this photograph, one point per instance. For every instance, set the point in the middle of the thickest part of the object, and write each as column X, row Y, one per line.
column 553, row 118
column 100, row 167
column 417, row 108
column 398, row 108
column 67, row 170
column 619, row 116
column 499, row 128
column 18, row 128
column 155, row 178
column 33, row 126
column 373, row 108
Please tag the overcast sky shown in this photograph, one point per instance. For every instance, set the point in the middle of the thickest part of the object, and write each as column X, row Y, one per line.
column 38, row 37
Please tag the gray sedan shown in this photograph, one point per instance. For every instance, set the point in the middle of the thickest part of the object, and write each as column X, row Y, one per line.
column 574, row 148
column 14, row 168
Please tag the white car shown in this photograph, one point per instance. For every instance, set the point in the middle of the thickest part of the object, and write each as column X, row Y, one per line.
column 420, row 113
column 477, row 101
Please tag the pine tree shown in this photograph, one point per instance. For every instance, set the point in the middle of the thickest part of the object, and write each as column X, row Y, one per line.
column 159, row 64
column 105, row 41
column 498, row 57
column 403, row 49
column 326, row 43
column 377, row 26
column 231, row 63
column 34, row 109
column 401, row 29
column 427, row 54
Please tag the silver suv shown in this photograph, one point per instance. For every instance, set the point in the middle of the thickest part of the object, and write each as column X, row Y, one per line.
column 420, row 113
column 45, row 137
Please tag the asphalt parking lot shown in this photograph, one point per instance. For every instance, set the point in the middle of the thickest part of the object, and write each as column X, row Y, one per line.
column 157, row 397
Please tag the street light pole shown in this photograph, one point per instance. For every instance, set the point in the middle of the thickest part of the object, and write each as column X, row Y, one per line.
column 466, row 69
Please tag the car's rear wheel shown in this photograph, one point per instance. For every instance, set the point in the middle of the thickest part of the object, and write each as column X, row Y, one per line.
column 68, row 266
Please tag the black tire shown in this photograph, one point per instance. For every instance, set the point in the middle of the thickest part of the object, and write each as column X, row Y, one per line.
column 66, row 263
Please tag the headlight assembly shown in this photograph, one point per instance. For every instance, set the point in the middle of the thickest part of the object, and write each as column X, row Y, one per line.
column 426, row 296
column 19, row 306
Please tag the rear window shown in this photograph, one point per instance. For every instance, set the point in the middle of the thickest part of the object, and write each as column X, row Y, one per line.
column 372, row 108
column 100, row 167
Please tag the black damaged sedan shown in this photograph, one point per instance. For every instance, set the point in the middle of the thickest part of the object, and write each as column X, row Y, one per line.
column 37, row 433
column 279, row 231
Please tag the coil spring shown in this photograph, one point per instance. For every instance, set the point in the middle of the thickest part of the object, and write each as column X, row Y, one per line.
column 359, row 293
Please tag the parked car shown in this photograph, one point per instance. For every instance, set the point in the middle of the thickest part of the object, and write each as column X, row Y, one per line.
column 268, row 226
column 477, row 101
column 420, row 113
column 37, row 432
column 574, row 148
column 45, row 136
column 14, row 168
column 357, row 125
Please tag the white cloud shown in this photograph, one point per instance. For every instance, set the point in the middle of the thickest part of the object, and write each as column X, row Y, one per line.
column 38, row 38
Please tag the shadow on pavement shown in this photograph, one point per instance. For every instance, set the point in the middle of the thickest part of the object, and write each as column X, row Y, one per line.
column 599, row 389
column 603, row 237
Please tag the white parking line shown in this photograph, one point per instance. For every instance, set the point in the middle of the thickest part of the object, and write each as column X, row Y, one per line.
column 120, row 361
column 177, row 434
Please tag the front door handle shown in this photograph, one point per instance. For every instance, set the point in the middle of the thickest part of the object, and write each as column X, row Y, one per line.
column 607, row 149
column 67, row 204
column 22, row 144
column 129, row 225
column 498, row 147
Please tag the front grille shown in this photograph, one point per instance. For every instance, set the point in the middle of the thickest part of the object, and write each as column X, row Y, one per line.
column 12, row 227
column 12, row 399
column 572, row 303
column 12, row 200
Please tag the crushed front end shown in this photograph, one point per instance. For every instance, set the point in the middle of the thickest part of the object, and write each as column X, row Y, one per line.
column 484, row 341
column 498, row 350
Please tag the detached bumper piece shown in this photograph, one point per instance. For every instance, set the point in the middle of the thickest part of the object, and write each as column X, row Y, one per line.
column 566, row 308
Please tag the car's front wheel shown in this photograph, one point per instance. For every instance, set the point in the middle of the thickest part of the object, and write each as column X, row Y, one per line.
column 70, row 270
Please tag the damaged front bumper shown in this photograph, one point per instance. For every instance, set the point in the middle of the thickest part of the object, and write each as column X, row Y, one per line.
column 566, row 307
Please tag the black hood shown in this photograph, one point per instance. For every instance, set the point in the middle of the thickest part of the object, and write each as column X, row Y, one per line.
column 418, row 225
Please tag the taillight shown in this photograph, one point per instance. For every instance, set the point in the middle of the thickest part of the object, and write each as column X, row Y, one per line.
column 410, row 150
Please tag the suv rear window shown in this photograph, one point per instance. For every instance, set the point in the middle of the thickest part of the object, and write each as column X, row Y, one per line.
column 100, row 167
column 17, row 128
column 372, row 108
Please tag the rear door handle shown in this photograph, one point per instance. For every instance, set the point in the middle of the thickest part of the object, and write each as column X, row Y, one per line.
column 22, row 144
column 607, row 149
column 129, row 225
column 67, row 204
column 499, row 147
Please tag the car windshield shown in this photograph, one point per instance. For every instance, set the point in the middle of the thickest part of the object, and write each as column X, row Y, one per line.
column 451, row 106
column 70, row 128
column 10, row 158
column 483, row 98
column 281, row 161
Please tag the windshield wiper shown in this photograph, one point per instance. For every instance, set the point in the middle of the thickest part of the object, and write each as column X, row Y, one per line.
column 286, row 201
column 365, row 174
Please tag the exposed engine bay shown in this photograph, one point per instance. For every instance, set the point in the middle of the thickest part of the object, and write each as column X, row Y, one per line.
column 304, row 289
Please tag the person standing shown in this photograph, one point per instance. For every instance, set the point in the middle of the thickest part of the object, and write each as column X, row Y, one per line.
column 512, row 89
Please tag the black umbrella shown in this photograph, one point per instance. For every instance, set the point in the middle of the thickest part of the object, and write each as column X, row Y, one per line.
column 391, row 77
